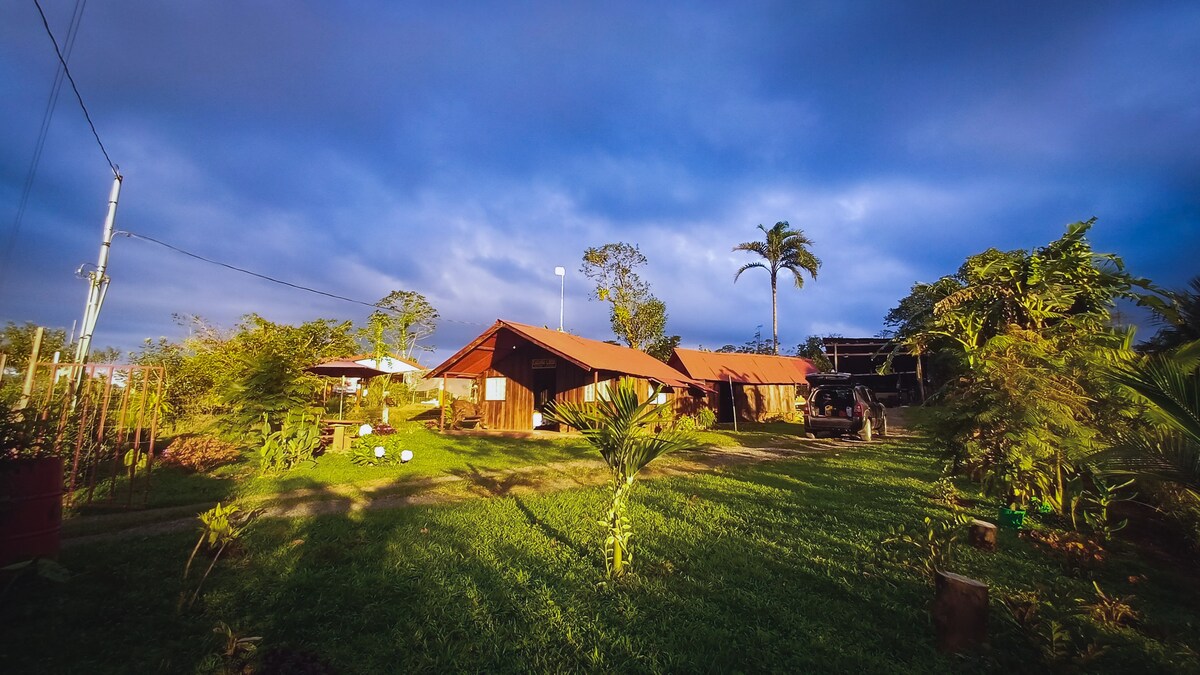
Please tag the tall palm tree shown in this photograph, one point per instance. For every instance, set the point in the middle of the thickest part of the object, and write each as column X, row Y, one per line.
column 621, row 427
column 783, row 249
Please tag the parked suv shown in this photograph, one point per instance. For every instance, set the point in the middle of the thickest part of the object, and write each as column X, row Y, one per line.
column 836, row 406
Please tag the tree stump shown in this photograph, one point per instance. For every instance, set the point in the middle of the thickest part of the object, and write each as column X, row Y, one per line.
column 960, row 612
column 982, row 535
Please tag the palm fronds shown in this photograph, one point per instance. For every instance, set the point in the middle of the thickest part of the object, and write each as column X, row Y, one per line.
column 1169, row 449
column 622, row 427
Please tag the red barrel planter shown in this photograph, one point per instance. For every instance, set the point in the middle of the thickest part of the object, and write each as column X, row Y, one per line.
column 30, row 508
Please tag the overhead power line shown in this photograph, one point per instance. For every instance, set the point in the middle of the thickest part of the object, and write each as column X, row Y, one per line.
column 75, row 88
column 272, row 279
column 47, row 115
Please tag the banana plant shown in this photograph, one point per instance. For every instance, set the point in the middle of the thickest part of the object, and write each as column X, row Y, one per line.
column 621, row 427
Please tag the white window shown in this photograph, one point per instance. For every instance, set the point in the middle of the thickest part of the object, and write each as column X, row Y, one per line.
column 597, row 391
column 661, row 398
column 494, row 388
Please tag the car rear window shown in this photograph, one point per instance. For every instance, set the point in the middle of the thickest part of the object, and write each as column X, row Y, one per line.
column 832, row 401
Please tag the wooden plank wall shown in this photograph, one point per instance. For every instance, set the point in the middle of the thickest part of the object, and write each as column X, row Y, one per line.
column 516, row 413
column 759, row 402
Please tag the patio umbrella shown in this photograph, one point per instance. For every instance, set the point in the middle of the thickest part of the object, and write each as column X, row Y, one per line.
column 343, row 368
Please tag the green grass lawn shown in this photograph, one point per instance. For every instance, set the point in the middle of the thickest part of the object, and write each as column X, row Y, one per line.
column 435, row 454
column 775, row 566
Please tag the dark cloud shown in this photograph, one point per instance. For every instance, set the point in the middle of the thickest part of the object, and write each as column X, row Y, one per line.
column 465, row 152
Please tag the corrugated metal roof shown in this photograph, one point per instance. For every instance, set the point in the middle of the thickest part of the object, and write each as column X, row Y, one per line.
column 742, row 368
column 476, row 357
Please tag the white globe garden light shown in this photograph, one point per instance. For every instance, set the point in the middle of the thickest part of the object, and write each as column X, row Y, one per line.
column 406, row 455
column 379, row 451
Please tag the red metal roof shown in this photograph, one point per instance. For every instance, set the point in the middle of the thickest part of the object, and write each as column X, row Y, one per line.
column 743, row 368
column 476, row 357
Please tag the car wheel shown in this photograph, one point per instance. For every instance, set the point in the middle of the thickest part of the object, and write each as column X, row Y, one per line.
column 865, row 434
column 883, row 427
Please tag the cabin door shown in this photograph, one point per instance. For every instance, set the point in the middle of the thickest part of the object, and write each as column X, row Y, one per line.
column 725, row 402
column 545, row 388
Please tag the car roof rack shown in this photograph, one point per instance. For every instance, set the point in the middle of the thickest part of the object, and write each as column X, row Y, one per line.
column 830, row 378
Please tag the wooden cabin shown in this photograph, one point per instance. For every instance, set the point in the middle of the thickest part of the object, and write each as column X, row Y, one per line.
column 754, row 387
column 519, row 369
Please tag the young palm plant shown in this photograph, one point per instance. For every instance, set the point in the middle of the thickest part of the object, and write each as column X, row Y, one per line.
column 622, row 428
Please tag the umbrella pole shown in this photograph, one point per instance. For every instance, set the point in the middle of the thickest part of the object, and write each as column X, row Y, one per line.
column 342, row 400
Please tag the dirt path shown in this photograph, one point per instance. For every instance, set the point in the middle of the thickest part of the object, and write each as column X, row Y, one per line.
column 388, row 494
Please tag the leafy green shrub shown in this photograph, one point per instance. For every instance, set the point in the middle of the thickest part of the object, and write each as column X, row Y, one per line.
column 945, row 491
column 220, row 527
column 373, row 455
column 364, row 452
column 1052, row 626
column 704, row 418
column 24, row 434
column 1097, row 504
column 935, row 541
column 294, row 442
column 235, row 653
column 201, row 453
column 1110, row 610
column 685, row 423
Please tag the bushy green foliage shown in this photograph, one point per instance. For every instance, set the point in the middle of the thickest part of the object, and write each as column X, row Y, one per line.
column 638, row 318
column 16, row 341
column 290, row 443
column 24, row 433
column 1024, row 337
column 702, row 420
column 933, row 541
column 813, row 349
column 256, row 369
column 365, row 449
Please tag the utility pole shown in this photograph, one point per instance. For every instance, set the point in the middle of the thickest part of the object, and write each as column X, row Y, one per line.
column 98, row 278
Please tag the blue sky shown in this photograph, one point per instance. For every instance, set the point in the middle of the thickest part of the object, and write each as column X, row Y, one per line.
column 464, row 151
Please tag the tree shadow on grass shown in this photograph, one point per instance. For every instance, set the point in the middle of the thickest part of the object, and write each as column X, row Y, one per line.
column 550, row 531
column 494, row 483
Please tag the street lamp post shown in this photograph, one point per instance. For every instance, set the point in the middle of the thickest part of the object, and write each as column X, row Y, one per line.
column 561, row 272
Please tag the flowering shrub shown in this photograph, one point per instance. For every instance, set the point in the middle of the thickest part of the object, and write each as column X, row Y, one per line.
column 373, row 450
column 201, row 453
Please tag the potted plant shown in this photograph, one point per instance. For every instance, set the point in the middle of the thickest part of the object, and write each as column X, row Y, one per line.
column 1011, row 482
column 31, row 485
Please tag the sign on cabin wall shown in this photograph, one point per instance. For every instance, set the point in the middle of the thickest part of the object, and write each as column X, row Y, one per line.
column 544, row 364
